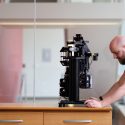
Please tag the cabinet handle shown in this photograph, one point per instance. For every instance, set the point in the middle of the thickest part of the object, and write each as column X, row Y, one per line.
column 11, row 121
column 77, row 121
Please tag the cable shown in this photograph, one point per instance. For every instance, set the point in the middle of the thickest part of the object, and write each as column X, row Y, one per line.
column 34, row 42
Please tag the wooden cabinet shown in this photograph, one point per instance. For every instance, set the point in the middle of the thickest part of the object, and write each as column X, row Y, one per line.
column 21, row 118
column 43, row 115
column 74, row 118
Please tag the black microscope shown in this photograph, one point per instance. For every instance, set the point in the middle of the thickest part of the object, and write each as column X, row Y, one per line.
column 76, row 57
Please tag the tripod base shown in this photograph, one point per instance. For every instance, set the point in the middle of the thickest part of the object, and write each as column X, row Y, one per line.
column 66, row 103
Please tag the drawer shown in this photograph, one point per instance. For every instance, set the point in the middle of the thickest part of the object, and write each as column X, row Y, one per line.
column 76, row 118
column 21, row 118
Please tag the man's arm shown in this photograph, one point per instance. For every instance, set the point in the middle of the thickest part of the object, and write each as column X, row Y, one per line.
column 114, row 93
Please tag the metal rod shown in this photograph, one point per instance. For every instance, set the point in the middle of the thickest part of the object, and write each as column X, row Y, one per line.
column 77, row 121
column 11, row 121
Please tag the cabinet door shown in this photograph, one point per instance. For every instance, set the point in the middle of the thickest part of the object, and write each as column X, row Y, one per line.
column 78, row 118
column 21, row 118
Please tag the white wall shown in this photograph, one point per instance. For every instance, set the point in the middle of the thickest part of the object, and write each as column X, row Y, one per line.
column 105, row 69
column 48, row 69
column 62, row 12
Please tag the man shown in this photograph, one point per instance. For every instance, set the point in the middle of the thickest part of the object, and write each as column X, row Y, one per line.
column 117, row 91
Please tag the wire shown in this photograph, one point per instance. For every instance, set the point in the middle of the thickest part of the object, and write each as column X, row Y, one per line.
column 34, row 42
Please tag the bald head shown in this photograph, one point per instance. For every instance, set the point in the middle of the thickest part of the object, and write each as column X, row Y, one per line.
column 117, row 42
column 117, row 47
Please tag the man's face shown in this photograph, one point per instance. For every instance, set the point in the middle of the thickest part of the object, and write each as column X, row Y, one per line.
column 117, row 47
column 119, row 53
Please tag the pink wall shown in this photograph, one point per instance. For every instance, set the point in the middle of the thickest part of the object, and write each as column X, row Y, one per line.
column 10, row 63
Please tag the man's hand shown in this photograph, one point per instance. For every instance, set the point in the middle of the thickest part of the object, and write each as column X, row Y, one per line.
column 93, row 103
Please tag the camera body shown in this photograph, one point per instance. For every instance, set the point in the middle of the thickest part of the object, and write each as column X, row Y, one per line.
column 76, row 57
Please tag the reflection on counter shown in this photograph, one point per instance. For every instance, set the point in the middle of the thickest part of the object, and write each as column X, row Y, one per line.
column 44, row 101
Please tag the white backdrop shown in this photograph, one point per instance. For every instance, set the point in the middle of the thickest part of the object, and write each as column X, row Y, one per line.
column 48, row 69
column 104, row 71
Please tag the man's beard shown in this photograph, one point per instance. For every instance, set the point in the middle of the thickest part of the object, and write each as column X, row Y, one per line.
column 122, row 61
